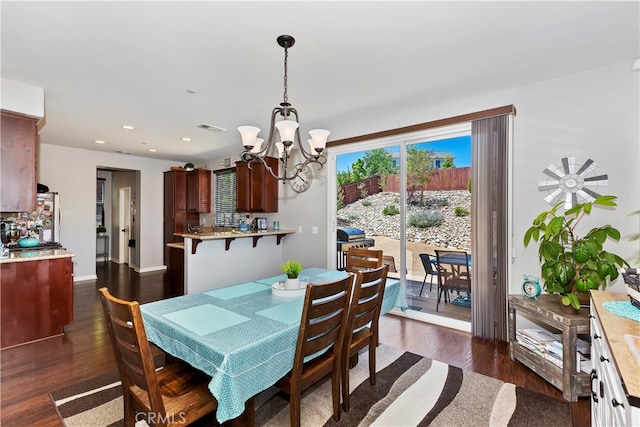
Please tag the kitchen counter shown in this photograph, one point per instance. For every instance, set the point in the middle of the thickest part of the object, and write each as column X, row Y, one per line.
column 229, row 236
column 615, row 328
column 36, row 255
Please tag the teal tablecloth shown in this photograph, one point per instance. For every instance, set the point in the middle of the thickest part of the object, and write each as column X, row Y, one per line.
column 242, row 336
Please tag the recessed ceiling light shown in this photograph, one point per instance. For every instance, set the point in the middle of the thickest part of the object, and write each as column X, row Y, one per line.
column 185, row 139
column 99, row 141
column 127, row 127
column 152, row 150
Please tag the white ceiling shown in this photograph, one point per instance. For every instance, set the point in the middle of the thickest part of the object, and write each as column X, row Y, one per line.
column 104, row 64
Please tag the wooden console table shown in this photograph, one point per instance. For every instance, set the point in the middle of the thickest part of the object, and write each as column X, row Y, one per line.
column 546, row 311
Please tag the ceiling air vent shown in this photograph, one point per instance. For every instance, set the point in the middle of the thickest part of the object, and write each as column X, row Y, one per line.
column 211, row 128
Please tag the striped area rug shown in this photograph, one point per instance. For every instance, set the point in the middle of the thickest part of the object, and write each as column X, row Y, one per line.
column 410, row 391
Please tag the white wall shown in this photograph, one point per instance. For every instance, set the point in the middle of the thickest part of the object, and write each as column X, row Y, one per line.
column 593, row 115
column 22, row 98
column 73, row 172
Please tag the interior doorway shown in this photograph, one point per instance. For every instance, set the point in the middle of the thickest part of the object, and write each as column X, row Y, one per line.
column 125, row 225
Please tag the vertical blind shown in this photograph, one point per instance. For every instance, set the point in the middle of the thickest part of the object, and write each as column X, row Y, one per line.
column 224, row 200
column 489, row 222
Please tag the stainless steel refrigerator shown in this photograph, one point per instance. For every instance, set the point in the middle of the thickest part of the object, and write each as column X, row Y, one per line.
column 48, row 210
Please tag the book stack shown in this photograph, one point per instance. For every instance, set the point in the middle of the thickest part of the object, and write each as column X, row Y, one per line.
column 549, row 346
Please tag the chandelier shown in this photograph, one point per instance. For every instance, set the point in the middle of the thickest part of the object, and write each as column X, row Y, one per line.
column 255, row 150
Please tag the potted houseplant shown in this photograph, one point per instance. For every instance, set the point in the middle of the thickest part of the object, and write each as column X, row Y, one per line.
column 573, row 265
column 101, row 230
column 292, row 269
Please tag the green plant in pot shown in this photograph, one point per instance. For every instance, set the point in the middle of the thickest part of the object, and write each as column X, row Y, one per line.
column 573, row 265
column 292, row 269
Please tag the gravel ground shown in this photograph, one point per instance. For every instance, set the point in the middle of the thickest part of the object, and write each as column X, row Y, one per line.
column 453, row 232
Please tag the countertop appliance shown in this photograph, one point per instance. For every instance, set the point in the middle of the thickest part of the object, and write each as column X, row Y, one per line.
column 350, row 237
column 259, row 224
column 13, row 247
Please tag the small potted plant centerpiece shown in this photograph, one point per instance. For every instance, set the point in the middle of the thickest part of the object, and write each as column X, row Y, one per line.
column 101, row 230
column 292, row 269
column 573, row 265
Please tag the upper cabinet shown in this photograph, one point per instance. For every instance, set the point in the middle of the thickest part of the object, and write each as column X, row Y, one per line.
column 256, row 189
column 18, row 163
column 199, row 191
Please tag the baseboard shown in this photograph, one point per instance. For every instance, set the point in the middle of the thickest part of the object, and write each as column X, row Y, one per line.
column 460, row 325
column 149, row 269
column 83, row 278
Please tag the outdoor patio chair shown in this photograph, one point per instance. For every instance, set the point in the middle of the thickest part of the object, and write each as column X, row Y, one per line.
column 429, row 264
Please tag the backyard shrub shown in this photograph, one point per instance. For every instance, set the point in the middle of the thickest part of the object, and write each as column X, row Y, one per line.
column 352, row 217
column 424, row 219
column 366, row 202
column 460, row 211
column 391, row 210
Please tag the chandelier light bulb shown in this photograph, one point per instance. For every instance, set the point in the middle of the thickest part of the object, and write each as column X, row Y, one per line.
column 287, row 129
column 249, row 135
column 318, row 140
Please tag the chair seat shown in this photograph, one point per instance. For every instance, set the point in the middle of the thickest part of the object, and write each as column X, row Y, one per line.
column 185, row 393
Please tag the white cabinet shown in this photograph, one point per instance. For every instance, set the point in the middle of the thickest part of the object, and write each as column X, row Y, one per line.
column 614, row 377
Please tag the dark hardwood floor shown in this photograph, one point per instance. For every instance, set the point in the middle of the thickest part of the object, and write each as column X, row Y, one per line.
column 29, row 372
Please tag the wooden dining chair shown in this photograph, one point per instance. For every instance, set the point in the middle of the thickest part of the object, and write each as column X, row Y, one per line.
column 452, row 275
column 359, row 259
column 362, row 324
column 176, row 395
column 320, row 340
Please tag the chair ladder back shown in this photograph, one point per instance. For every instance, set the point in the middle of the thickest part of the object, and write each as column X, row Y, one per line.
column 322, row 321
column 131, row 347
column 367, row 297
column 360, row 259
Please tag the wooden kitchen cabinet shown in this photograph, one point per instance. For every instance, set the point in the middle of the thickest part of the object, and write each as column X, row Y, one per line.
column 256, row 189
column 199, row 191
column 37, row 299
column 176, row 217
column 18, row 162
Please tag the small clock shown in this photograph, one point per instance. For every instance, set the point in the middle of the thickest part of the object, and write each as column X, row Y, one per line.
column 531, row 286
column 302, row 182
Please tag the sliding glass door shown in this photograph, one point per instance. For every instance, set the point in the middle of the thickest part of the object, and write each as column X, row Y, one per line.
column 422, row 201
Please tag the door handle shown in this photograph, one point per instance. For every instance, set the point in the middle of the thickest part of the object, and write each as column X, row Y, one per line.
column 123, row 230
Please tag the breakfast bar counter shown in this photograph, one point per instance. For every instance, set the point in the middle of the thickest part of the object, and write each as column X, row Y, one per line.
column 216, row 259
column 230, row 236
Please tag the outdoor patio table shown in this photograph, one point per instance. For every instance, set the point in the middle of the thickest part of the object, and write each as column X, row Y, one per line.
column 242, row 336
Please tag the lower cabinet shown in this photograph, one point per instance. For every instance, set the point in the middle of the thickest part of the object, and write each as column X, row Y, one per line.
column 37, row 299
column 175, row 269
column 611, row 404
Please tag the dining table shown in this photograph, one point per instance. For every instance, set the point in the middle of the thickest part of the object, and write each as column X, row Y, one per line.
column 243, row 336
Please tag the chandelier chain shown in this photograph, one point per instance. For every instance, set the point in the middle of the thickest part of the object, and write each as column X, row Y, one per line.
column 286, row 57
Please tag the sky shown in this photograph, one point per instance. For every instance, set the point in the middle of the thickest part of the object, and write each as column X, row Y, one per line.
column 459, row 147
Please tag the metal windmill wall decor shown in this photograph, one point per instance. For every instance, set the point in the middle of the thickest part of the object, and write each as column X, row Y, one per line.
column 572, row 182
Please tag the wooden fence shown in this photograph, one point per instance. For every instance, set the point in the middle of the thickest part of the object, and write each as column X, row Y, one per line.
column 444, row 179
column 355, row 190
